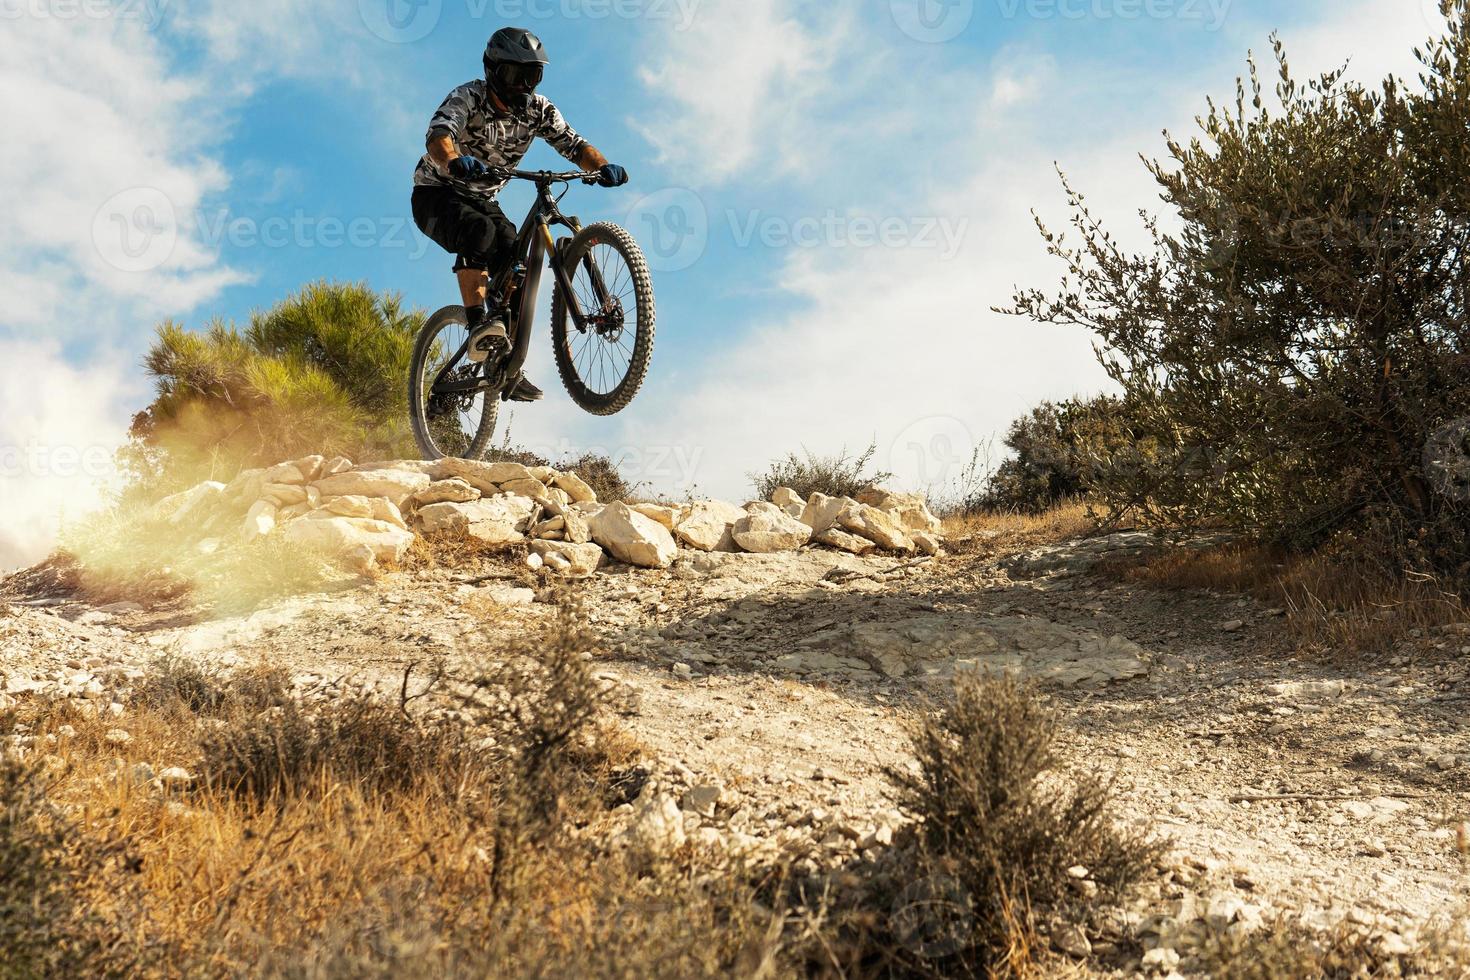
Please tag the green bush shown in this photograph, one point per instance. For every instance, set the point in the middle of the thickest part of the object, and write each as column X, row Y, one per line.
column 1298, row 342
column 323, row 371
column 1057, row 450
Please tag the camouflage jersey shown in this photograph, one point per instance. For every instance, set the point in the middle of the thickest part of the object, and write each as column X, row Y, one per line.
column 470, row 118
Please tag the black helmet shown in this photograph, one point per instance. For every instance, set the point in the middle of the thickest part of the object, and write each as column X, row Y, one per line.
column 514, row 62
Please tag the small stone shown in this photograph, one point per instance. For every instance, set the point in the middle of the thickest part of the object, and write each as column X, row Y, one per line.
column 1234, row 626
column 175, row 776
column 534, row 562
column 1162, row 959
column 93, row 691
column 703, row 799
column 683, row 671
column 116, row 736
column 1072, row 941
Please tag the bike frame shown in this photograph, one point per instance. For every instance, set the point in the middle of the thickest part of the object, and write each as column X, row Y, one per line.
column 534, row 243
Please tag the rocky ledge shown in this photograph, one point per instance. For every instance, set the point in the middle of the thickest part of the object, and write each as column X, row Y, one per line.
column 364, row 515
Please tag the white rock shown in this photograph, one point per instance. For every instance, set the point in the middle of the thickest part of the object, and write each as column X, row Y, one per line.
column 359, row 541
column 658, row 824
column 928, row 544
column 569, row 558
column 183, row 508
column 333, row 466
column 768, row 529
column 706, row 525
column 535, row 562
column 395, row 485
column 909, row 510
column 260, row 520
column 509, row 511
column 507, row 595
column 667, row 516
column 451, row 491
column 350, row 506
column 116, row 736
column 285, row 473
column 575, row 487
column 576, row 530
column 525, row 488
column 703, row 799
column 633, row 538
column 484, row 477
column 821, row 511
column 310, row 467
column 835, row 537
column 175, row 776
column 789, row 501
column 875, row 525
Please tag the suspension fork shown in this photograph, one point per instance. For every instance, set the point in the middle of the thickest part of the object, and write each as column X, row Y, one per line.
column 564, row 277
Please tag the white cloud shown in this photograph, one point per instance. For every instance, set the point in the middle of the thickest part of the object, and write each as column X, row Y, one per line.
column 895, row 345
column 59, row 428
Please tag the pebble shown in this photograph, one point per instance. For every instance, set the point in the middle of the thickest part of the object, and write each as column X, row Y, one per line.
column 683, row 671
column 117, row 736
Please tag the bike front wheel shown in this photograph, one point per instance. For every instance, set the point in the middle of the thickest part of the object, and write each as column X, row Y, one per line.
column 603, row 361
column 458, row 424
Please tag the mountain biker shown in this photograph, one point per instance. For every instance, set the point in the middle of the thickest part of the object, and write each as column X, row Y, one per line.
column 482, row 129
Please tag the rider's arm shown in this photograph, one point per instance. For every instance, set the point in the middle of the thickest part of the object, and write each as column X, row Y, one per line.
column 442, row 149
column 591, row 158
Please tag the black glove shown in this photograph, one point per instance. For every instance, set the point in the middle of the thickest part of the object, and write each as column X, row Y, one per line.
column 469, row 168
column 612, row 175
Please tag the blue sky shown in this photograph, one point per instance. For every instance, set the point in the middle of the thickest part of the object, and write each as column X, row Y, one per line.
column 833, row 196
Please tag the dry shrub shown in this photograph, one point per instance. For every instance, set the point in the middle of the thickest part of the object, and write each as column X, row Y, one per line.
column 1337, row 600
column 176, row 685
column 67, row 904
column 999, row 532
column 840, row 475
column 1287, row 951
column 1001, row 824
column 291, row 752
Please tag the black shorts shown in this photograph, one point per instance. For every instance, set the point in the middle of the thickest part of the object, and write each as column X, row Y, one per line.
column 474, row 229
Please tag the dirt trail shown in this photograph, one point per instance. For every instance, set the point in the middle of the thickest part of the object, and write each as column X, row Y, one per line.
column 764, row 677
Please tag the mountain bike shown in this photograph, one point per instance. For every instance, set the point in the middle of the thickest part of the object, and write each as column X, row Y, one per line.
column 602, row 322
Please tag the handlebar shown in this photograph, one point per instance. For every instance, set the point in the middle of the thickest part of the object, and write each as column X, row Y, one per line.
column 540, row 176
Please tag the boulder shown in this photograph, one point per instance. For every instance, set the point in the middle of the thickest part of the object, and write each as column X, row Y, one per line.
column 581, row 559
column 575, row 487
column 910, row 510
column 821, row 511
column 395, row 485
column 667, row 516
column 876, row 525
column 451, row 491
column 534, row 489
column 767, row 529
column 511, row 511
column 543, row 473
column 284, row 494
column 285, row 473
column 189, row 506
column 633, row 538
column 576, row 529
column 789, row 501
column 484, row 477
column 260, row 521
column 361, row 542
column 705, row 525
column 837, row 538
column 310, row 467
column 372, row 508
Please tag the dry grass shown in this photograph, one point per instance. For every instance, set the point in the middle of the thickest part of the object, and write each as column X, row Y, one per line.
column 1286, row 951
column 1335, row 603
column 1000, row 532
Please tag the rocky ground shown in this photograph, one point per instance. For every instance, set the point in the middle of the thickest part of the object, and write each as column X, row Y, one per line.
column 771, row 690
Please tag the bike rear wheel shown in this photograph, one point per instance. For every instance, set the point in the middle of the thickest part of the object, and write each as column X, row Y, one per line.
column 603, row 365
column 459, row 425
